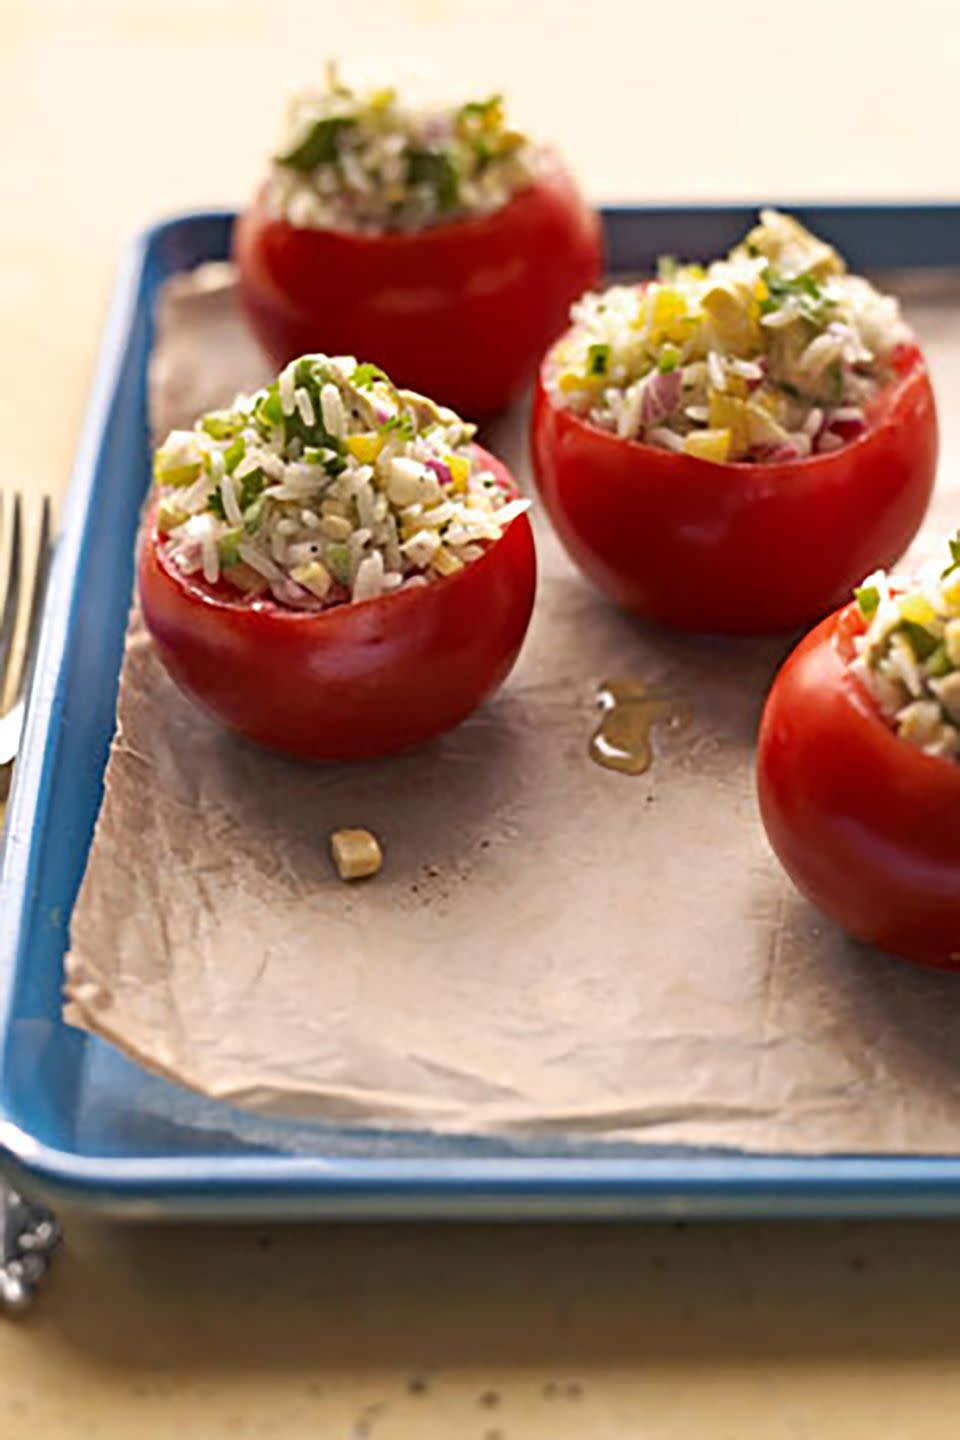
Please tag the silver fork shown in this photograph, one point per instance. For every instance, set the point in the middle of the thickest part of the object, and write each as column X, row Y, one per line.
column 28, row 1233
column 16, row 594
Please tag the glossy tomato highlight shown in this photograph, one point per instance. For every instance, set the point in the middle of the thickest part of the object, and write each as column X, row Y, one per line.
column 865, row 824
column 461, row 311
column 739, row 548
column 357, row 679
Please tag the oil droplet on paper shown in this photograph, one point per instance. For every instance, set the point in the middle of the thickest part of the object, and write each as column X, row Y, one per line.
column 630, row 709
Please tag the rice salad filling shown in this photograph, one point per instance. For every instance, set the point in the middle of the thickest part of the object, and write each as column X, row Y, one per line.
column 365, row 160
column 909, row 656
column 773, row 353
column 328, row 486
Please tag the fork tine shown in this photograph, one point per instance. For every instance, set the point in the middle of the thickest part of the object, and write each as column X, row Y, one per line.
column 11, row 601
column 40, row 573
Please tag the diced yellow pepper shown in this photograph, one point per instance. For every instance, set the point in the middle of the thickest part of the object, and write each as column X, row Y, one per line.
column 951, row 590
column 571, row 380
column 761, row 290
column 708, row 444
column 459, row 467
column 729, row 414
column 667, row 306
column 918, row 609
column 366, row 447
column 951, row 638
column 445, row 562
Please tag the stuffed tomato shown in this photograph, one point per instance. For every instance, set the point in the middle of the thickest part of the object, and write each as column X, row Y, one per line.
column 859, row 765
column 332, row 568
column 731, row 448
column 441, row 242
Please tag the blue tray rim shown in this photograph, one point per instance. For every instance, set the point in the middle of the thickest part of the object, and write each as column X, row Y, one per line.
column 712, row 1184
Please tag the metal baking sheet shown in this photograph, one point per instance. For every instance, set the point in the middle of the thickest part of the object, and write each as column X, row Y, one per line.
column 83, row 1119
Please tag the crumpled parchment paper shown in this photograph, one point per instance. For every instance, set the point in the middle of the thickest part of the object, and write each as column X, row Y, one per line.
column 551, row 947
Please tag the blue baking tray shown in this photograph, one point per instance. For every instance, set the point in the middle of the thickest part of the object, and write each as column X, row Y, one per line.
column 82, row 1125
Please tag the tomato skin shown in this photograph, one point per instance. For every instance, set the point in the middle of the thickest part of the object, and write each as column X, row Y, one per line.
column 737, row 548
column 461, row 312
column 356, row 680
column 864, row 824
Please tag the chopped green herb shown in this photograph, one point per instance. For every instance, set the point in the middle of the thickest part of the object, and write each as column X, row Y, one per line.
column 438, row 169
column 252, row 487
column 269, row 412
column 253, row 515
column 223, row 424
column 402, row 424
column 166, row 473
column 939, row 663
column 668, row 360
column 234, row 453
column 480, row 109
column 922, row 641
column 598, row 359
column 228, row 548
column 954, row 544
column 868, row 598
column 320, row 145
column 338, row 563
column 367, row 375
column 215, row 504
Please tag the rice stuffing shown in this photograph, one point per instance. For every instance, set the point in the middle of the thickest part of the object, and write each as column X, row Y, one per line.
column 909, row 656
column 328, row 486
column 366, row 160
column 773, row 353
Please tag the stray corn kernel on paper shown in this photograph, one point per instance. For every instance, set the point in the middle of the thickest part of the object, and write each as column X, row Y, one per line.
column 551, row 947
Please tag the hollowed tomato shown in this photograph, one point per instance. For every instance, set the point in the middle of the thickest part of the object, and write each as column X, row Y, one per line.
column 866, row 825
column 739, row 548
column 460, row 311
column 354, row 680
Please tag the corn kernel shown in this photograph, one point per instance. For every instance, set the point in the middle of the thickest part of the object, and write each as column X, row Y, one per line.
column 336, row 527
column 708, row 444
column 761, row 291
column 459, row 467
column 366, row 447
column 335, row 507
column 446, row 563
column 951, row 638
column 356, row 854
column 314, row 577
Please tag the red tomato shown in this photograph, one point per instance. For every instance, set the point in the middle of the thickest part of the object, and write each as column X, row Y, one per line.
column 739, row 548
column 461, row 311
column 355, row 680
column 865, row 825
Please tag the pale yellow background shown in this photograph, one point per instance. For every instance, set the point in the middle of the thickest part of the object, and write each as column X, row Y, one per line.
column 111, row 114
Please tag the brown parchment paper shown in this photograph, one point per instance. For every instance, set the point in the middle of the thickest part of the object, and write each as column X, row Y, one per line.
column 551, row 947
